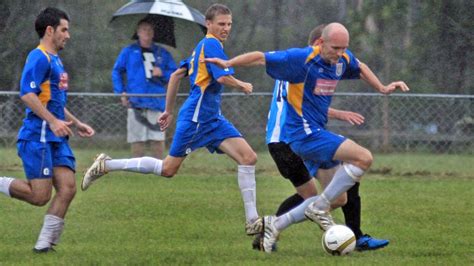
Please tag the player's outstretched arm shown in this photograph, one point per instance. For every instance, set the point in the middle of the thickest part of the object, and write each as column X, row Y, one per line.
column 368, row 76
column 60, row 128
column 83, row 129
column 350, row 117
column 166, row 117
column 231, row 81
column 249, row 59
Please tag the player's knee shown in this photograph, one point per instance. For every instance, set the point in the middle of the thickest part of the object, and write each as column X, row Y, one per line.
column 67, row 191
column 250, row 158
column 40, row 200
column 168, row 172
column 365, row 160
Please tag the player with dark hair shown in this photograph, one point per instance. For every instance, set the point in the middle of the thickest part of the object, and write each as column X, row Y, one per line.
column 200, row 122
column 292, row 167
column 43, row 146
column 313, row 73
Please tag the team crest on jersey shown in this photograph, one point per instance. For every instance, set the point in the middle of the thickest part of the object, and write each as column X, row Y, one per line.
column 339, row 69
column 63, row 81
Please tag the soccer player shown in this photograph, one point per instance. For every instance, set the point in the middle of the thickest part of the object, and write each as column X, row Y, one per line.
column 200, row 122
column 313, row 73
column 292, row 167
column 43, row 139
column 147, row 68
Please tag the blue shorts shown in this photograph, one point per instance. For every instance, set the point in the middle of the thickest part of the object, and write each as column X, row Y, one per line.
column 40, row 158
column 317, row 150
column 190, row 136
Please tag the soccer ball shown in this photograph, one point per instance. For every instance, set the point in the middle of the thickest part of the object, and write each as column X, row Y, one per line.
column 338, row 240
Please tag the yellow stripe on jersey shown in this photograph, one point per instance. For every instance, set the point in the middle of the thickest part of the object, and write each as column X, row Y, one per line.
column 42, row 49
column 203, row 78
column 214, row 37
column 295, row 96
column 45, row 94
column 316, row 50
column 346, row 56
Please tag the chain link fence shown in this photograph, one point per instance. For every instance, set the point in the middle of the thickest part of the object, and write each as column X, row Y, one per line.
column 397, row 123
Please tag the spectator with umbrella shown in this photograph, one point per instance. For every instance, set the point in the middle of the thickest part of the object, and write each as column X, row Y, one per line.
column 143, row 68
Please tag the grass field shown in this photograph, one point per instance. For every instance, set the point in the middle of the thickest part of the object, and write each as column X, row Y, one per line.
column 421, row 202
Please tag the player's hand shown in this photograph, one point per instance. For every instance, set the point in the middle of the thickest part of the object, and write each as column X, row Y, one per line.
column 217, row 61
column 61, row 128
column 157, row 72
column 124, row 100
column 84, row 130
column 246, row 87
column 394, row 85
column 165, row 120
column 352, row 118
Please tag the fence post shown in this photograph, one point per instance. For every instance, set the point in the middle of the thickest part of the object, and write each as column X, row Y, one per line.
column 385, row 124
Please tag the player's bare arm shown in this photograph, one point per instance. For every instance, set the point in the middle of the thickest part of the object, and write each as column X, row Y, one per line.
column 166, row 117
column 350, row 117
column 83, row 129
column 60, row 128
column 368, row 76
column 231, row 81
column 249, row 59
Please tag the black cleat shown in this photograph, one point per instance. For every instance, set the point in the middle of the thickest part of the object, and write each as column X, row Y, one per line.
column 43, row 250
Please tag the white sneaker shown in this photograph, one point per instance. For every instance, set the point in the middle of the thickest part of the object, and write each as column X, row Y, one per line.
column 270, row 234
column 320, row 217
column 96, row 170
column 254, row 228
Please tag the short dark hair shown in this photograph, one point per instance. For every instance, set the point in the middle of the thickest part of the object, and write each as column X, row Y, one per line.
column 217, row 9
column 49, row 16
column 316, row 34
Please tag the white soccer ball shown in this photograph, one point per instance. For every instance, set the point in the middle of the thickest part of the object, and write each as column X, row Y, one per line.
column 338, row 240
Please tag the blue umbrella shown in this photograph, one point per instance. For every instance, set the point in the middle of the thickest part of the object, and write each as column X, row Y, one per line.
column 169, row 17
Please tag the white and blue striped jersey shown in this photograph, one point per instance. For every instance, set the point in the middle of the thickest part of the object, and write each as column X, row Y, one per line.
column 277, row 114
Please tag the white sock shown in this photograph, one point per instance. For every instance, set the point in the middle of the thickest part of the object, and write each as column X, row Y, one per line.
column 144, row 165
column 344, row 178
column 5, row 183
column 50, row 232
column 247, row 185
column 295, row 215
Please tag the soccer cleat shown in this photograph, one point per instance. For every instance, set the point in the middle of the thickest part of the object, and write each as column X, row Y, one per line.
column 366, row 242
column 254, row 228
column 322, row 218
column 257, row 243
column 96, row 170
column 270, row 234
column 43, row 250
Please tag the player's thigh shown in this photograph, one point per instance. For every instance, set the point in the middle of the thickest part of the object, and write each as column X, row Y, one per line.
column 64, row 164
column 41, row 189
column 239, row 150
column 289, row 164
column 64, row 180
column 351, row 152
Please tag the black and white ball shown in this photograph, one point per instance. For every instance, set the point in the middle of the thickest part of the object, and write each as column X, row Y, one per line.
column 338, row 240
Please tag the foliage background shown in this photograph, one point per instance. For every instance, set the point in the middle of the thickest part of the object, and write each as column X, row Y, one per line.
column 429, row 44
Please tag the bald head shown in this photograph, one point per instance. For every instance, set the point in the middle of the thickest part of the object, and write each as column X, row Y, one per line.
column 335, row 31
column 334, row 42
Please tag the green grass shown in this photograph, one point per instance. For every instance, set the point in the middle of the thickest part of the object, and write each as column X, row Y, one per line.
column 421, row 202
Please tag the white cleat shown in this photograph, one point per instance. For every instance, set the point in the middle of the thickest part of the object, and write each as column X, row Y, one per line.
column 270, row 234
column 254, row 228
column 320, row 217
column 96, row 170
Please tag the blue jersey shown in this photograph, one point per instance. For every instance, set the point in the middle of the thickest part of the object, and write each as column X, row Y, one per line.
column 203, row 103
column 312, row 82
column 137, row 63
column 277, row 114
column 43, row 75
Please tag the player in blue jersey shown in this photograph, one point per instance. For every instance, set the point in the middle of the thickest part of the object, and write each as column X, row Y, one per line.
column 200, row 122
column 147, row 68
column 43, row 138
column 313, row 73
column 292, row 167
